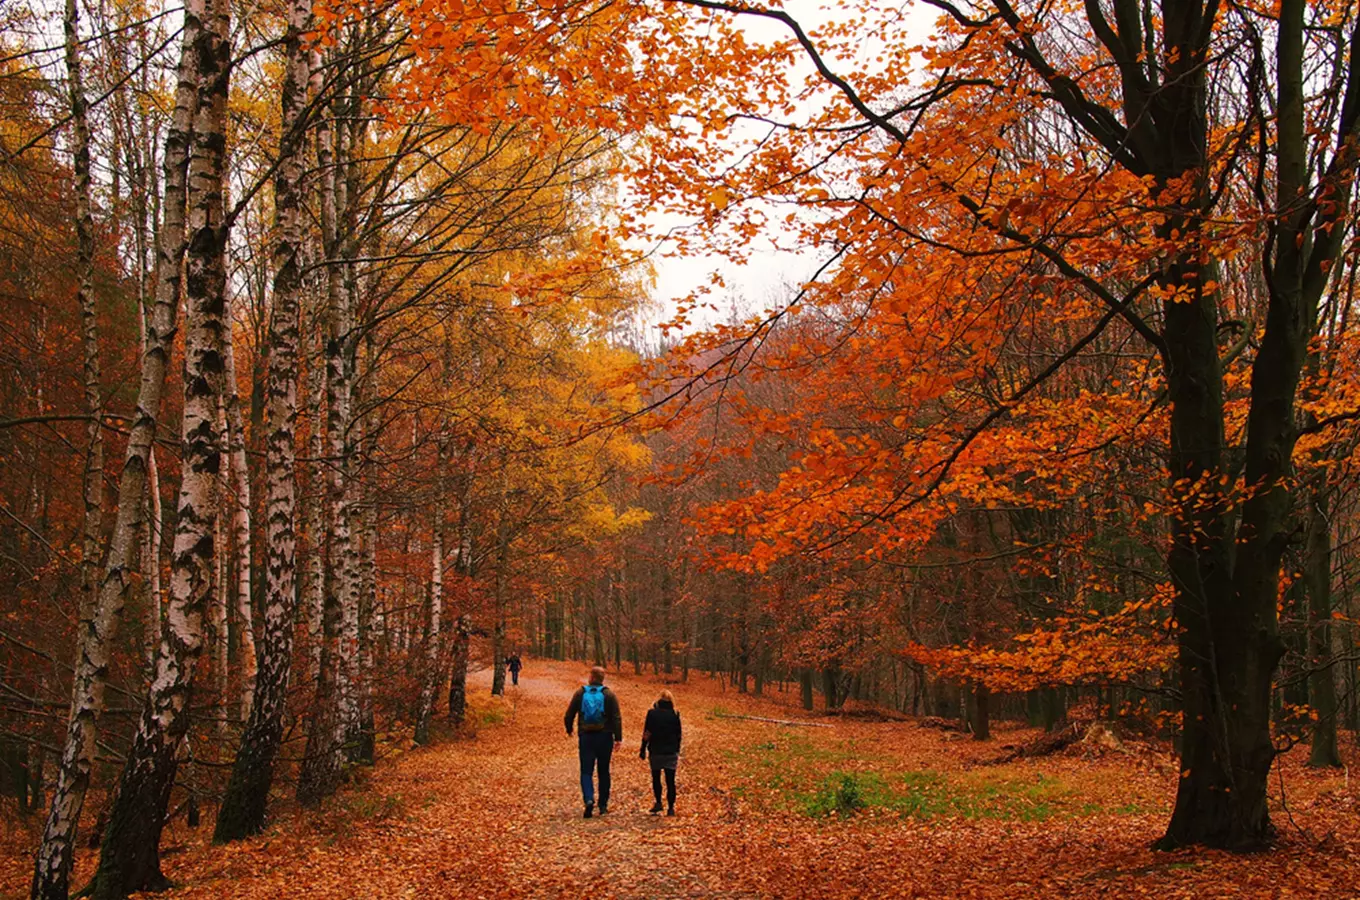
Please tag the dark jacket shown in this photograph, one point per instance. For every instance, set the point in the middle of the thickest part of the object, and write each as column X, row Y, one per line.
column 661, row 731
column 613, row 719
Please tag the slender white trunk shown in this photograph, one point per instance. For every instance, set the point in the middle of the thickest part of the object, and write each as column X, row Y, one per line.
column 246, row 800
column 430, row 677
column 240, row 530
column 98, row 629
column 93, row 493
column 330, row 721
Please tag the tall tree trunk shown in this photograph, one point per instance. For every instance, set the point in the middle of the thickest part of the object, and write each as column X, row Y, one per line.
column 368, row 601
column 240, row 528
column 93, row 485
column 1227, row 585
column 313, row 502
column 430, row 676
column 247, row 796
column 130, row 856
column 323, row 765
column 98, row 630
column 1317, row 576
column 218, row 635
column 458, row 684
column 151, row 561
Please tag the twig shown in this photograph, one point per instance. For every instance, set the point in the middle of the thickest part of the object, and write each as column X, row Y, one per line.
column 772, row 721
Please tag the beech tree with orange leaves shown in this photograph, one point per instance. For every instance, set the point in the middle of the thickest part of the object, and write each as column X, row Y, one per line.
column 1060, row 420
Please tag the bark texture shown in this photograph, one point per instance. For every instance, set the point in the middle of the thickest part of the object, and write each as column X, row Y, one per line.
column 130, row 854
column 98, row 628
column 247, row 797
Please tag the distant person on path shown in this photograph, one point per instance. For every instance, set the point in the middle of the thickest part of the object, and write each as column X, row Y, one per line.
column 513, row 663
column 661, row 735
column 594, row 711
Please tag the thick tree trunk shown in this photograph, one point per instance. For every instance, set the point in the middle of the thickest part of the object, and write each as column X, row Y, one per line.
column 130, row 856
column 979, row 712
column 98, row 629
column 247, row 796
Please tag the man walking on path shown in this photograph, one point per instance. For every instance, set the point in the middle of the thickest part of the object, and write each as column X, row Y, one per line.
column 513, row 663
column 594, row 711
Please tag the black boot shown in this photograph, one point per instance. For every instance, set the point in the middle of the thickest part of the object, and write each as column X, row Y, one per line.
column 656, row 807
column 670, row 810
column 590, row 810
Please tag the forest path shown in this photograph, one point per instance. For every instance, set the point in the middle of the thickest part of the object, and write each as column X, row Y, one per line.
column 628, row 852
column 497, row 815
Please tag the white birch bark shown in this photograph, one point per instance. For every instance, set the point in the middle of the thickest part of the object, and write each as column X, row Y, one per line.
column 98, row 629
column 130, row 855
column 240, row 529
column 93, row 482
column 246, row 800
column 430, row 676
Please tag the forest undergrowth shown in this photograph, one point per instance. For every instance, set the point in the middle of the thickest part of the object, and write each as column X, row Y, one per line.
column 835, row 807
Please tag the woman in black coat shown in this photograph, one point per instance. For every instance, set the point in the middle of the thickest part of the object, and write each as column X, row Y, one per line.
column 661, row 735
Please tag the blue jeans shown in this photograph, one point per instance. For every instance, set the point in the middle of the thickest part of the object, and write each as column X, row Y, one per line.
column 595, row 747
column 514, row 676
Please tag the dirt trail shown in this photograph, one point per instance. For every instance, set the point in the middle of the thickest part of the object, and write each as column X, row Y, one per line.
column 498, row 815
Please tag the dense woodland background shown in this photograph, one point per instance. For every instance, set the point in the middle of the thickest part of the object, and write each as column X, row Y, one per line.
column 324, row 381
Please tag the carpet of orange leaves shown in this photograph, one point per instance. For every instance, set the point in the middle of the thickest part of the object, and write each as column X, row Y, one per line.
column 498, row 815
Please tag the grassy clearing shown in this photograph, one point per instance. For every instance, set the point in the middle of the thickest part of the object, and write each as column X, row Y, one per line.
column 792, row 773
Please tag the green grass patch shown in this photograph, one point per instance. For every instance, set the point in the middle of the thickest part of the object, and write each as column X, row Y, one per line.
column 494, row 714
column 792, row 773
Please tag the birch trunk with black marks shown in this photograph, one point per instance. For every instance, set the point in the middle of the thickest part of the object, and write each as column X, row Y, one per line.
column 430, row 679
column 368, row 601
column 323, row 765
column 93, row 482
column 239, row 523
column 98, row 630
column 313, row 502
column 130, row 855
column 246, row 801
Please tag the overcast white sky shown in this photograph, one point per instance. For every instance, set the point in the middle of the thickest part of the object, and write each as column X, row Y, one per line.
column 765, row 278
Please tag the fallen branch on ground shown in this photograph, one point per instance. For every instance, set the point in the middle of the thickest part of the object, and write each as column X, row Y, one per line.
column 772, row 721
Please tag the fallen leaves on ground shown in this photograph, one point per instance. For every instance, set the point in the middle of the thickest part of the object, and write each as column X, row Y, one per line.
column 861, row 809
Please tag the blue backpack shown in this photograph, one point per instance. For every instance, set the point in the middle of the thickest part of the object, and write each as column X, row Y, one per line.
column 592, row 708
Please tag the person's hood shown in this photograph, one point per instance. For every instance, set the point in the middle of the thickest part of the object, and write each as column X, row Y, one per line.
column 665, row 704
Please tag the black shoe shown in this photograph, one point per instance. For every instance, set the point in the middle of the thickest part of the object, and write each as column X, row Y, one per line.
column 671, row 811
column 604, row 808
column 590, row 810
column 656, row 807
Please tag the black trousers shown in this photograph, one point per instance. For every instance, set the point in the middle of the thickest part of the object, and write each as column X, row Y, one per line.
column 670, row 785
